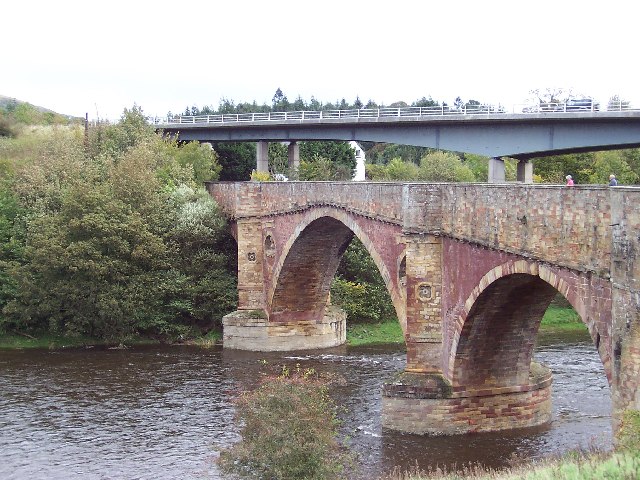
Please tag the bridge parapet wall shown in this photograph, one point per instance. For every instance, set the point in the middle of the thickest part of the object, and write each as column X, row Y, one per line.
column 416, row 207
column 569, row 227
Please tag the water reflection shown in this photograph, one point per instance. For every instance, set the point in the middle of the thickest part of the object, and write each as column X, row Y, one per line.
column 161, row 412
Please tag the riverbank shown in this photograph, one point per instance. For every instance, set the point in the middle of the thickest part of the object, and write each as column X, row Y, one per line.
column 574, row 466
column 13, row 340
column 556, row 319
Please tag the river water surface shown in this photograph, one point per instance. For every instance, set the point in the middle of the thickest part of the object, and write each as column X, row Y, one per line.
column 164, row 412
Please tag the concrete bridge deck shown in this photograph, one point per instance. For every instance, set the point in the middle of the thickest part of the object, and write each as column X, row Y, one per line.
column 493, row 134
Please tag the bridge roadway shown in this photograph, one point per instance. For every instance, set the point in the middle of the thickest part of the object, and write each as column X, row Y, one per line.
column 484, row 131
column 470, row 270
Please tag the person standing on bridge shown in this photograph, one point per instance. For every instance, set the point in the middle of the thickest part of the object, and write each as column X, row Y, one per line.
column 569, row 181
column 612, row 181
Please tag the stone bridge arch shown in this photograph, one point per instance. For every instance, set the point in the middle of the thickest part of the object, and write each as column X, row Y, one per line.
column 286, row 264
column 493, row 302
column 493, row 338
column 309, row 258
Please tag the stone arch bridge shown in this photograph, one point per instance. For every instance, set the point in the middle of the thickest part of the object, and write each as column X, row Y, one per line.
column 470, row 269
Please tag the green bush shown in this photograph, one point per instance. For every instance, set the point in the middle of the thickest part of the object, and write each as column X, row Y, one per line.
column 359, row 288
column 629, row 434
column 363, row 302
column 289, row 431
column 111, row 237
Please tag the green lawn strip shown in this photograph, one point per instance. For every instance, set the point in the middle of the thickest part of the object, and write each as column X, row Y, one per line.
column 374, row 333
column 16, row 341
column 561, row 318
column 555, row 319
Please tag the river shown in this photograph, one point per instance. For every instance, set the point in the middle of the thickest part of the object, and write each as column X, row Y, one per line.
column 164, row 412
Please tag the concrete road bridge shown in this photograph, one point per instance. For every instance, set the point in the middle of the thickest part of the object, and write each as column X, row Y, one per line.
column 470, row 268
column 545, row 130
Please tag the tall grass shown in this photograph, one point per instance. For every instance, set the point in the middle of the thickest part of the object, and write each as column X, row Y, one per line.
column 574, row 466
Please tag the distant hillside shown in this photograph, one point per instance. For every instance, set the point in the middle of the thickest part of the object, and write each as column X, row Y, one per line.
column 14, row 111
column 9, row 103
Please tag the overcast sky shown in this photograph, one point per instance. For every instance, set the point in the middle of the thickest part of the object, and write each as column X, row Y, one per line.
column 100, row 57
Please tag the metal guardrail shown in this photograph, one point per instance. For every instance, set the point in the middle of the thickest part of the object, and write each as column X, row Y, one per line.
column 575, row 106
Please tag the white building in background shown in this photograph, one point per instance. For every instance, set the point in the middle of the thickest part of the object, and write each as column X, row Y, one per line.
column 358, row 176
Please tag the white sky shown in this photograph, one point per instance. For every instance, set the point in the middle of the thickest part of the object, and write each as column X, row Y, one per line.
column 100, row 57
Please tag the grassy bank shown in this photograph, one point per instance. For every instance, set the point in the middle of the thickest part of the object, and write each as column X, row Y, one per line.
column 622, row 466
column 556, row 319
column 374, row 333
column 52, row 342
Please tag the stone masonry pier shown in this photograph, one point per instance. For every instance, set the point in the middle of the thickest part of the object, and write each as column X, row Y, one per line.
column 470, row 268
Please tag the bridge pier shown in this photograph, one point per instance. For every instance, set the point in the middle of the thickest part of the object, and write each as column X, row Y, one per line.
column 427, row 404
column 423, row 334
column 294, row 158
column 496, row 170
column 525, row 171
column 262, row 156
column 299, row 317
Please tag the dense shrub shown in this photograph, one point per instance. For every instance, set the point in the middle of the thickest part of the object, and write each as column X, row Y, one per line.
column 289, row 429
column 111, row 237
column 359, row 288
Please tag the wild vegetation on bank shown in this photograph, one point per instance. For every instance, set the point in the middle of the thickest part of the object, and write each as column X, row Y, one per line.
column 109, row 234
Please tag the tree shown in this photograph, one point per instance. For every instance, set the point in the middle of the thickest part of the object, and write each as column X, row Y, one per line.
column 400, row 170
column 339, row 153
column 104, row 241
column 237, row 159
column 551, row 95
column 279, row 159
column 359, row 288
column 425, row 102
column 612, row 162
column 441, row 166
column 280, row 102
column 317, row 169
column 201, row 158
column 553, row 169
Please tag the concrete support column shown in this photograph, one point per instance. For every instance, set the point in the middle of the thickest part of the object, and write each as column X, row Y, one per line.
column 250, row 268
column 424, row 304
column 294, row 158
column 525, row 171
column 496, row 170
column 262, row 156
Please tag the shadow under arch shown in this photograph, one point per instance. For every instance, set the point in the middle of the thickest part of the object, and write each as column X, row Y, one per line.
column 495, row 336
column 309, row 260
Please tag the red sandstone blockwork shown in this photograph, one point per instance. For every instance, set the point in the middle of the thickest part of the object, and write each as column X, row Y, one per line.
column 470, row 268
